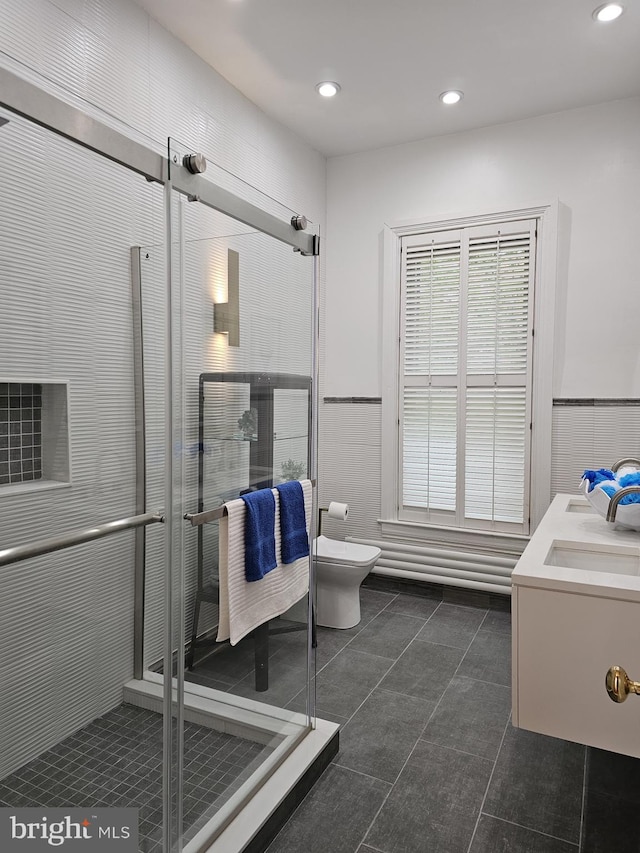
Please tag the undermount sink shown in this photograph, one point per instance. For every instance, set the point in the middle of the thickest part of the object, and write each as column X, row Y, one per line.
column 578, row 505
column 615, row 559
column 574, row 550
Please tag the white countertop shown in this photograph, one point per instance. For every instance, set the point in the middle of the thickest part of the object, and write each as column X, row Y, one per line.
column 572, row 532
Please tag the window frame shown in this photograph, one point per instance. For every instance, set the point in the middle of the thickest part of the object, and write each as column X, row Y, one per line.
column 546, row 255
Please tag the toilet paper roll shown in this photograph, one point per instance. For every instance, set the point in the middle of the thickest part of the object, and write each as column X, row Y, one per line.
column 338, row 510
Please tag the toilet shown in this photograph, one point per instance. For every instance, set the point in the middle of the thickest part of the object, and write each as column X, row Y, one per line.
column 340, row 569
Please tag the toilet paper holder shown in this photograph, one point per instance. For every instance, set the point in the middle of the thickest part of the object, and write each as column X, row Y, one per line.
column 320, row 511
column 334, row 510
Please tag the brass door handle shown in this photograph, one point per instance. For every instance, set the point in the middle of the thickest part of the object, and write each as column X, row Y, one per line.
column 619, row 685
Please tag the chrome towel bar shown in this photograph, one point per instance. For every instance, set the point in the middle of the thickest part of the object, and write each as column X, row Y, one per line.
column 198, row 518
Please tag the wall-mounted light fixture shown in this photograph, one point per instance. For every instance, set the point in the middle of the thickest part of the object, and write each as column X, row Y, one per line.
column 226, row 315
column 3, row 120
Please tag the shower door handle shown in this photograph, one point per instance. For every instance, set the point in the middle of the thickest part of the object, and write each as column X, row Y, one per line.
column 619, row 685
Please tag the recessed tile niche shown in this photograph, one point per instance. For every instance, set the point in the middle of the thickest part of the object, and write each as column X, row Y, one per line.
column 34, row 435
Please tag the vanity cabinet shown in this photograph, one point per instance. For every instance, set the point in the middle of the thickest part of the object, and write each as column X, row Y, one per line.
column 571, row 623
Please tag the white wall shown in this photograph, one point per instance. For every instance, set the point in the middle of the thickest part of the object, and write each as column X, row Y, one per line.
column 66, row 225
column 587, row 158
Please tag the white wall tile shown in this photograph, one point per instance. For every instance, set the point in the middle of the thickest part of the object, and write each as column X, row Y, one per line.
column 591, row 437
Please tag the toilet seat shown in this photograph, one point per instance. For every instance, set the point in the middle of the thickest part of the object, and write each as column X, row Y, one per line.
column 346, row 553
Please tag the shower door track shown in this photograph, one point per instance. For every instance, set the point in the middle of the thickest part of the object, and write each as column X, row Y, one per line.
column 57, row 543
column 49, row 111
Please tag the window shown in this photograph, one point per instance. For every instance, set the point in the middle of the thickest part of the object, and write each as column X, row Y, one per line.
column 464, row 414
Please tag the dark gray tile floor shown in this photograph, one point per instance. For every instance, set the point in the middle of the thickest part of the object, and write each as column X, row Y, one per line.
column 429, row 761
column 117, row 761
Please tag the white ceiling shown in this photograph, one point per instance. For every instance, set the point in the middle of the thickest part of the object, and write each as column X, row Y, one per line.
column 512, row 58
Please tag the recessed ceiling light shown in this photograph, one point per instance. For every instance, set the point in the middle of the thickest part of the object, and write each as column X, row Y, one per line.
column 608, row 12
column 328, row 89
column 451, row 97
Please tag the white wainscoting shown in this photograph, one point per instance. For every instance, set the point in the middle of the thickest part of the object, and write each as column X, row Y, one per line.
column 350, row 466
column 591, row 435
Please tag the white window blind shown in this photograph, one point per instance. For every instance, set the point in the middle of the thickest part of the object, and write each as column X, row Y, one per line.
column 429, row 439
column 432, row 306
column 466, row 347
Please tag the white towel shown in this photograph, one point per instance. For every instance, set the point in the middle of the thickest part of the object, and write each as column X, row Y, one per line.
column 244, row 606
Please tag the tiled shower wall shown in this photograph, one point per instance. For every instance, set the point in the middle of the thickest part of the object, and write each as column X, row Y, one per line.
column 66, row 620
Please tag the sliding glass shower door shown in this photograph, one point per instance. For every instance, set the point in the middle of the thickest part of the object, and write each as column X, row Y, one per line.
column 242, row 383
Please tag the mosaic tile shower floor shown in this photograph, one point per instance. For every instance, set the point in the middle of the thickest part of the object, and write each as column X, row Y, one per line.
column 117, row 761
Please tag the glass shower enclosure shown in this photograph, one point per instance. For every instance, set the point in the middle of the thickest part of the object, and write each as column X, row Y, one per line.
column 157, row 360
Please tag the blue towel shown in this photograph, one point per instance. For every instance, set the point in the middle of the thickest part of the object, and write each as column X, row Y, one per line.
column 259, row 534
column 293, row 525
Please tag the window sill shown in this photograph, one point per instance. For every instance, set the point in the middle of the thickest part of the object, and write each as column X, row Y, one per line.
column 474, row 540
